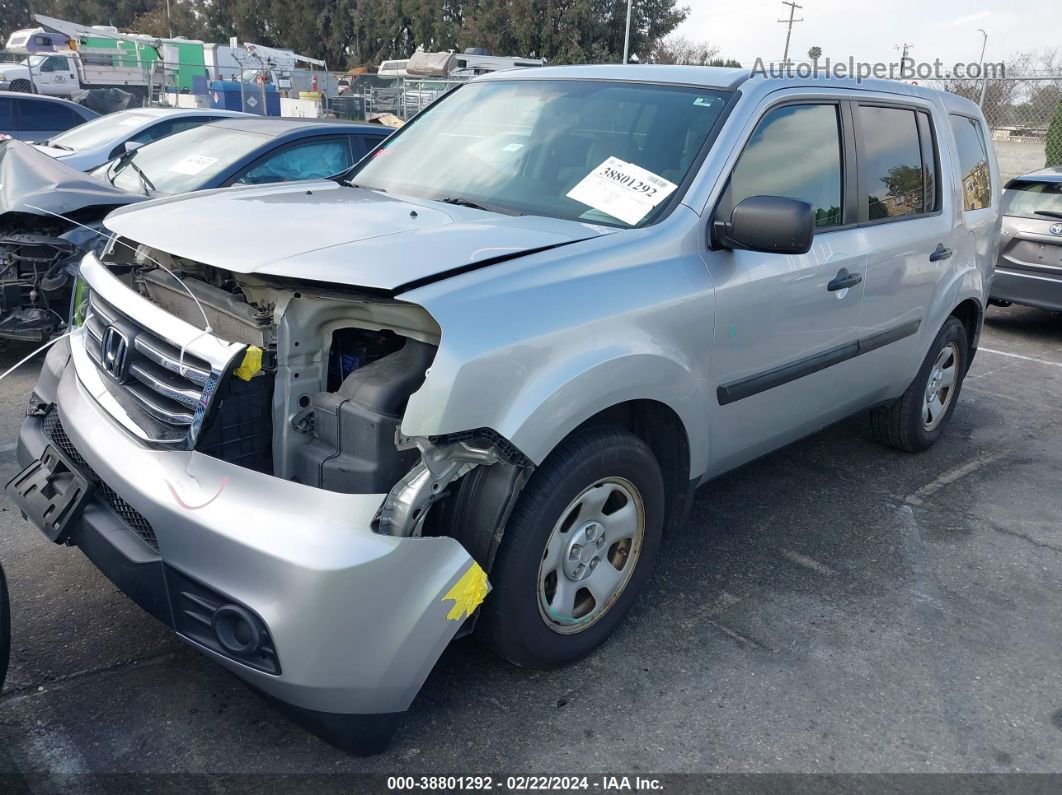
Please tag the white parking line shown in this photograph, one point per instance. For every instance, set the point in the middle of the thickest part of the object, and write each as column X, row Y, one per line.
column 951, row 476
column 8, row 447
column 1020, row 356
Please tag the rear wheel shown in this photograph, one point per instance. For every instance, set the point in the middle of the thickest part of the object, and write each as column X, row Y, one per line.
column 577, row 549
column 918, row 418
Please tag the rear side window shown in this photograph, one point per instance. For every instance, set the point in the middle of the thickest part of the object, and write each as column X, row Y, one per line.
column 973, row 163
column 897, row 163
column 46, row 116
column 794, row 152
column 6, row 122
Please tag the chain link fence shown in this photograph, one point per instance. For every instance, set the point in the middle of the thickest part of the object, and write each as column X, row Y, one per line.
column 1019, row 111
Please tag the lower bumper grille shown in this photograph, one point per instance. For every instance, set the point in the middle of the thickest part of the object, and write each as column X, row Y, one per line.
column 54, row 431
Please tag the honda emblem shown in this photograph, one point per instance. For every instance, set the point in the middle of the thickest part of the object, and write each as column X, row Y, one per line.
column 114, row 350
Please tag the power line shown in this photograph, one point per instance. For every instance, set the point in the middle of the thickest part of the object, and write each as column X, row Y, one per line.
column 789, row 30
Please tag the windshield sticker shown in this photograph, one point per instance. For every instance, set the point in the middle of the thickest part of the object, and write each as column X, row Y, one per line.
column 512, row 147
column 704, row 102
column 622, row 190
column 192, row 165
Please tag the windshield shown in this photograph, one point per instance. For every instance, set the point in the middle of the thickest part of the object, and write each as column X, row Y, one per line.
column 181, row 162
column 100, row 131
column 597, row 151
column 1024, row 198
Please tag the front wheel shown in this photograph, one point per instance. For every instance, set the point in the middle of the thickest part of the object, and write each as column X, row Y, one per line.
column 22, row 87
column 917, row 420
column 577, row 549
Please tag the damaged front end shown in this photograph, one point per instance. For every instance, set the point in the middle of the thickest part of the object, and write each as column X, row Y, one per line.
column 50, row 217
column 39, row 258
column 315, row 393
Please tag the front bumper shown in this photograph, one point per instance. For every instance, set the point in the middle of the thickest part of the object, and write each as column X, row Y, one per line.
column 357, row 620
column 1031, row 289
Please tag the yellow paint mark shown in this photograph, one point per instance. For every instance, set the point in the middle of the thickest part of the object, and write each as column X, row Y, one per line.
column 468, row 593
column 251, row 365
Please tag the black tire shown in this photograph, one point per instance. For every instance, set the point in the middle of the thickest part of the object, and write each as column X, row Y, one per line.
column 512, row 622
column 5, row 628
column 22, row 87
column 900, row 424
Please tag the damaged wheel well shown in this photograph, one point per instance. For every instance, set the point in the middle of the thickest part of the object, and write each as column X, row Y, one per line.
column 658, row 426
column 478, row 506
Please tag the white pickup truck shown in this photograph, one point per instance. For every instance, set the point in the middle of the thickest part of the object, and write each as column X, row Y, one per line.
column 64, row 74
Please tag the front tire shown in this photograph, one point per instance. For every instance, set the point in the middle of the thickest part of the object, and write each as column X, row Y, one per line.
column 22, row 87
column 578, row 548
column 917, row 420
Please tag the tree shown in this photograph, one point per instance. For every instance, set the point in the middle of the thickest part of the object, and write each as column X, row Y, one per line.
column 677, row 49
column 1054, row 139
column 814, row 54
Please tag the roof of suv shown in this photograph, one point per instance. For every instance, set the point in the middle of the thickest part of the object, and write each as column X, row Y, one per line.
column 730, row 79
column 1051, row 174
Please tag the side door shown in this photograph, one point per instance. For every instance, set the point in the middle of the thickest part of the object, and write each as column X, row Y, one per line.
column 786, row 326
column 907, row 220
column 311, row 158
column 56, row 77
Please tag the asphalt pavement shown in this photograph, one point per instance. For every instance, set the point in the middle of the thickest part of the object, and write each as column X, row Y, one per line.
column 836, row 606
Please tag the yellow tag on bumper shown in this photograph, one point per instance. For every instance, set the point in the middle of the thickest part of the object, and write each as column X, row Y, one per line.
column 468, row 593
column 251, row 365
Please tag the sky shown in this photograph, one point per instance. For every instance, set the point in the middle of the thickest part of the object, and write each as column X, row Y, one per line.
column 945, row 29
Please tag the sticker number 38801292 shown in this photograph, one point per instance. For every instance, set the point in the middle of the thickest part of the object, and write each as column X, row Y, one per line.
column 622, row 190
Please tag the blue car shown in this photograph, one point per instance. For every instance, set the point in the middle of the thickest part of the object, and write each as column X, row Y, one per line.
column 249, row 151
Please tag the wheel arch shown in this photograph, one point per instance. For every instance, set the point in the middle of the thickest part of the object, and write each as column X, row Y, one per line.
column 971, row 312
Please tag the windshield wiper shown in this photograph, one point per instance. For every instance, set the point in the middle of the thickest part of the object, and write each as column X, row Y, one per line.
column 1049, row 213
column 463, row 202
column 148, row 186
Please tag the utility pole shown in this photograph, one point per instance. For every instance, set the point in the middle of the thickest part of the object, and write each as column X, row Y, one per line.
column 627, row 34
column 169, row 21
column 905, row 48
column 984, row 84
column 789, row 31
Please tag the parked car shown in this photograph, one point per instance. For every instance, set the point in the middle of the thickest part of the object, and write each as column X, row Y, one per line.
column 1029, row 269
column 111, row 136
column 322, row 429
column 30, row 118
column 50, row 214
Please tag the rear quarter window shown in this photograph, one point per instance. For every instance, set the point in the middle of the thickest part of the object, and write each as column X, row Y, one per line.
column 973, row 162
column 46, row 116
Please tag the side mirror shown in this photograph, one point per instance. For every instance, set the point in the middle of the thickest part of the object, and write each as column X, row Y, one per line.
column 771, row 224
column 131, row 146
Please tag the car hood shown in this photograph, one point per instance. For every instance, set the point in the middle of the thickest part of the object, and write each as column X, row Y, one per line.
column 32, row 182
column 326, row 232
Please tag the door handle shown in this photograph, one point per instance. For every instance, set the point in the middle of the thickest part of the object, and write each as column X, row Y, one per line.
column 940, row 253
column 843, row 280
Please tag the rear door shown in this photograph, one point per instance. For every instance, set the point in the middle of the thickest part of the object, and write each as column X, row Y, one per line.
column 785, row 328
column 909, row 228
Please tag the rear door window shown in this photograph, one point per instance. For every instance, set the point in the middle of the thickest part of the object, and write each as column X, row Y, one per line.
column 897, row 163
column 45, row 116
column 7, row 122
column 973, row 163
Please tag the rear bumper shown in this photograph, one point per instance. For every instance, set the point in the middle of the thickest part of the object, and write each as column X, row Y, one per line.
column 1030, row 289
column 356, row 619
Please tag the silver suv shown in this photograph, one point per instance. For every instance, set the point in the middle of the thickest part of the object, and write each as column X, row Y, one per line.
column 321, row 429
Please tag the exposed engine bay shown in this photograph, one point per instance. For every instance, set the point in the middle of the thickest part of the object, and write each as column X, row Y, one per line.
column 322, row 403
column 50, row 216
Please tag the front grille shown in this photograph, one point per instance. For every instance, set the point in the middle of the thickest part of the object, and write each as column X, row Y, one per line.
column 170, row 390
column 53, row 430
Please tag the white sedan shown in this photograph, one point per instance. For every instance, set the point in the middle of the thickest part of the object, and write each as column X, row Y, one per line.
column 99, row 141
